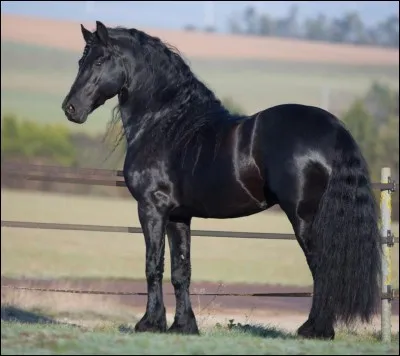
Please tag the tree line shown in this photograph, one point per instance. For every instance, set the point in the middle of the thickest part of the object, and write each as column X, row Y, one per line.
column 348, row 28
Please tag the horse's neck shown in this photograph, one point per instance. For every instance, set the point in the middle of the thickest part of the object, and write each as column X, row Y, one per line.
column 131, row 129
column 133, row 122
column 137, row 128
column 139, row 124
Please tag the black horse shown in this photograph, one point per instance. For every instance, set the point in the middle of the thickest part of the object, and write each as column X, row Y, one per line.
column 188, row 156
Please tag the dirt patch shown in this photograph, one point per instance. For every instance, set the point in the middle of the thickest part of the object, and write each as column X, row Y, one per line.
column 223, row 302
column 67, row 35
column 98, row 310
column 275, row 305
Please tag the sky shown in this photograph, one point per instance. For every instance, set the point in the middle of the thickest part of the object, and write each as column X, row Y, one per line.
column 177, row 14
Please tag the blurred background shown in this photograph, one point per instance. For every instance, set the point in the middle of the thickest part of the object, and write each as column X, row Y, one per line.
column 342, row 56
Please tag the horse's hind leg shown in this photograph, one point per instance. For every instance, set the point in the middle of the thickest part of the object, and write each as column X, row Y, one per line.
column 301, row 213
column 178, row 233
column 314, row 327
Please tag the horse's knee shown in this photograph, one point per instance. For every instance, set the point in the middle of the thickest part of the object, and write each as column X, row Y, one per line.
column 154, row 272
column 180, row 277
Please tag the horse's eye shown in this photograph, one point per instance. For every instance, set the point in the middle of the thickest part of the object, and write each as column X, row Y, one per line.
column 98, row 63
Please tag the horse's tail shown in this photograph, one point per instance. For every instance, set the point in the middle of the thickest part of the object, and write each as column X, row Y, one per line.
column 347, row 238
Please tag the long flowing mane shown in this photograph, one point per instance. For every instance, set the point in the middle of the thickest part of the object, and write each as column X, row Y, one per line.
column 174, row 103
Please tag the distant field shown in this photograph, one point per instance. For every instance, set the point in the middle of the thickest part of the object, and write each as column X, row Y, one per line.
column 36, row 79
column 38, row 253
column 67, row 35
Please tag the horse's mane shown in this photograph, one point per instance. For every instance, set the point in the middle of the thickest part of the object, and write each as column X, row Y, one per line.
column 174, row 102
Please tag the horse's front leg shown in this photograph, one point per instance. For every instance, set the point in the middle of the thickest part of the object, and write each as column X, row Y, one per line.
column 179, row 244
column 153, row 222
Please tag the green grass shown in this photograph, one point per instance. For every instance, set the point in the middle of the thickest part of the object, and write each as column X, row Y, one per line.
column 18, row 338
column 53, row 253
column 36, row 79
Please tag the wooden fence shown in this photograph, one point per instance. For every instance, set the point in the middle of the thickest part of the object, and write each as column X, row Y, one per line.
column 115, row 178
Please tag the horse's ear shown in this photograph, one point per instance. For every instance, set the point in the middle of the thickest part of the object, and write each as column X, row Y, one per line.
column 102, row 32
column 87, row 35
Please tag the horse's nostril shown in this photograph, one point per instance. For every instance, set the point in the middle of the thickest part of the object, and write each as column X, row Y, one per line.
column 70, row 109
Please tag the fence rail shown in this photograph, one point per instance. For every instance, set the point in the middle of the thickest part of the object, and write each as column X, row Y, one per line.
column 115, row 178
column 93, row 176
column 138, row 230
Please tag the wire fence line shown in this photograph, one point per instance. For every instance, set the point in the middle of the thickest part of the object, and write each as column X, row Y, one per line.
column 115, row 178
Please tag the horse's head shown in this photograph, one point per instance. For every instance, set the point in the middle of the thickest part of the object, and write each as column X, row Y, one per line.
column 100, row 76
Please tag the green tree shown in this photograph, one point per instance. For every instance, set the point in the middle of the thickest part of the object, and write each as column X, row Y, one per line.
column 374, row 123
column 316, row 28
column 266, row 25
column 9, row 135
column 292, row 25
column 388, row 149
column 232, row 106
column 388, row 31
column 27, row 139
column 250, row 19
column 361, row 125
column 382, row 102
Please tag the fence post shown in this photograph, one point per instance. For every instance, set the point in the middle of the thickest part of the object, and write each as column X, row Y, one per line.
column 386, row 210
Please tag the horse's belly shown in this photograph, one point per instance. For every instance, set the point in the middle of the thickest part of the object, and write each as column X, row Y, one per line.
column 228, row 198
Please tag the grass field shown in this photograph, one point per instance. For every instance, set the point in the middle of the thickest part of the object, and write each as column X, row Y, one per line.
column 36, row 79
column 52, row 253
column 17, row 339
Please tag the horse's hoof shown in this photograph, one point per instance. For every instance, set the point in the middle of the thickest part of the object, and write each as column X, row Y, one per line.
column 147, row 324
column 187, row 328
column 309, row 331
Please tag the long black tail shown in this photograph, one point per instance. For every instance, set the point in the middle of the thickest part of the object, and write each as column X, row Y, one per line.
column 348, row 242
